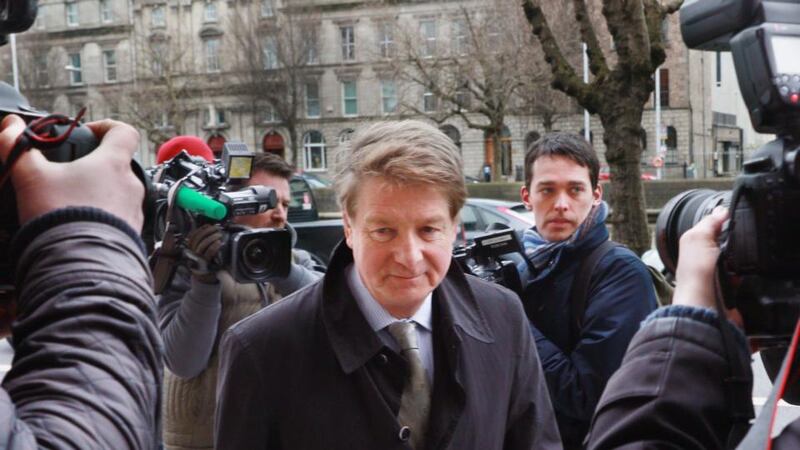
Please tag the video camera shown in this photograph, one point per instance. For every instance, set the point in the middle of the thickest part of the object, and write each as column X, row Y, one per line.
column 760, row 263
column 191, row 191
column 484, row 258
column 66, row 139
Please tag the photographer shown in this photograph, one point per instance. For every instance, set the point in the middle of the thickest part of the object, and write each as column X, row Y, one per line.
column 671, row 389
column 200, row 305
column 87, row 364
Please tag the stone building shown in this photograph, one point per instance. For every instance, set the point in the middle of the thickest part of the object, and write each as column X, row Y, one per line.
column 170, row 66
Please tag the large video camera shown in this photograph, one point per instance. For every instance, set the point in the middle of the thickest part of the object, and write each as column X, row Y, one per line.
column 760, row 263
column 63, row 142
column 192, row 192
column 488, row 258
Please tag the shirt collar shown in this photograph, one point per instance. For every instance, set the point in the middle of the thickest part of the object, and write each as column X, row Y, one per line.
column 377, row 317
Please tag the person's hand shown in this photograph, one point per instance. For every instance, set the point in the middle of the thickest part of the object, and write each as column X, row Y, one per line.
column 204, row 243
column 102, row 179
column 697, row 263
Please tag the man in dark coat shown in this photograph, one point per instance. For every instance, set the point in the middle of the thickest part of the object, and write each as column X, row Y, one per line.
column 579, row 347
column 87, row 353
column 671, row 390
column 396, row 348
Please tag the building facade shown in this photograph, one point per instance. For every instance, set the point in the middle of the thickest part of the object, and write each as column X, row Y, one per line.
column 172, row 67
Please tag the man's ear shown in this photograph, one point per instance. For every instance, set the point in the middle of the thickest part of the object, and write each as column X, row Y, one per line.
column 348, row 229
column 597, row 194
column 526, row 197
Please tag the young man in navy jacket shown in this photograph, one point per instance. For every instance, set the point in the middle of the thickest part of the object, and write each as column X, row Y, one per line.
column 562, row 190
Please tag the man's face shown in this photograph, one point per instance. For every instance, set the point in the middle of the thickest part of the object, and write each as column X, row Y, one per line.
column 402, row 241
column 560, row 196
column 275, row 217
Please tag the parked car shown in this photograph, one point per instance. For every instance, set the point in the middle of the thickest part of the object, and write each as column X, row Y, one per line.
column 316, row 181
column 478, row 213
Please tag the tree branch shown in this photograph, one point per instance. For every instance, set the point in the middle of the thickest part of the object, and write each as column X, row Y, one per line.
column 564, row 77
column 597, row 60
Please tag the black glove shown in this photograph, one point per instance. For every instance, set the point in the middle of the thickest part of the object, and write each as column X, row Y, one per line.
column 203, row 245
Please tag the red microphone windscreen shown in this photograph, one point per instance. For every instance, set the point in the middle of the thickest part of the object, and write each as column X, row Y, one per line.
column 192, row 144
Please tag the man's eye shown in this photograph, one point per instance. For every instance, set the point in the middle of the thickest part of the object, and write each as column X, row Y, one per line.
column 431, row 232
column 382, row 234
column 577, row 189
column 545, row 191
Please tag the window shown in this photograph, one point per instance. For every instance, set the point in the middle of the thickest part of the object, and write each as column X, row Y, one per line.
column 428, row 30
column 268, row 114
column 267, row 8
column 348, row 43
column 75, row 72
column 388, row 96
column 110, row 65
column 672, row 146
column 312, row 100
column 212, row 55
column 157, row 61
column 463, row 98
column 530, row 138
column 72, row 14
column 158, row 17
column 349, row 98
column 460, row 37
column 664, row 84
column 453, row 133
column 41, row 74
column 505, row 151
column 271, row 53
column 310, row 42
column 210, row 11
column 429, row 103
column 719, row 69
column 665, row 30
column 105, row 11
column 214, row 116
column 314, row 151
column 493, row 34
column 39, row 23
column 386, row 40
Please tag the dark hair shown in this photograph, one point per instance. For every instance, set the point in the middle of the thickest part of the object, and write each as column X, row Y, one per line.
column 568, row 145
column 273, row 164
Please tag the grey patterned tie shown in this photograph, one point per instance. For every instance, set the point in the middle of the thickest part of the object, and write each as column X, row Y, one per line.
column 415, row 403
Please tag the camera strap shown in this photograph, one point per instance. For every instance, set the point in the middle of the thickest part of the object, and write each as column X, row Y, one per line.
column 760, row 434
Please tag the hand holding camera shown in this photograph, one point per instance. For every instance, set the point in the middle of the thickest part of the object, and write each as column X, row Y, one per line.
column 103, row 179
column 203, row 244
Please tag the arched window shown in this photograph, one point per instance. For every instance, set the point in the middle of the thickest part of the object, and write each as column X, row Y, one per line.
column 506, row 165
column 453, row 133
column 314, row 152
column 530, row 138
column 216, row 142
column 273, row 143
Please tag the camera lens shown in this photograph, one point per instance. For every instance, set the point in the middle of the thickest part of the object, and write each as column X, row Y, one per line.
column 680, row 214
column 256, row 257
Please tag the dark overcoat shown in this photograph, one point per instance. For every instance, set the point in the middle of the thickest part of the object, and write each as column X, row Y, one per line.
column 309, row 373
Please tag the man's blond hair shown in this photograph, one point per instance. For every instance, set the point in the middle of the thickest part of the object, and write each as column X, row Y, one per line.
column 404, row 153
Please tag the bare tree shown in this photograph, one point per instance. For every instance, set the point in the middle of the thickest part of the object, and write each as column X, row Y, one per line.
column 482, row 78
column 621, row 86
column 274, row 53
column 161, row 98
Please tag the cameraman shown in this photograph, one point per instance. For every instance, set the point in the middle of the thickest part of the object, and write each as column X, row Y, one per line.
column 199, row 306
column 87, row 364
column 671, row 390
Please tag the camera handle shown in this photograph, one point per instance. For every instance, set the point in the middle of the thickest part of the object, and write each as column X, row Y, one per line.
column 166, row 261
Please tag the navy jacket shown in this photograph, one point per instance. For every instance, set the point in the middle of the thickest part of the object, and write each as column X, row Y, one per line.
column 621, row 295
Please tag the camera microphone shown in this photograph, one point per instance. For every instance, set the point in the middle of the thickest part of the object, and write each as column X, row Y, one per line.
column 193, row 145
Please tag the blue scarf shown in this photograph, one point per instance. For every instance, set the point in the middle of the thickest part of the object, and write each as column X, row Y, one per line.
column 543, row 253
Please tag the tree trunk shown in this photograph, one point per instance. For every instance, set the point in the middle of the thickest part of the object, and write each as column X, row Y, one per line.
column 622, row 136
column 292, row 129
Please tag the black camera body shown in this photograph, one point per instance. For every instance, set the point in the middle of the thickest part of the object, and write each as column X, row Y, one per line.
column 191, row 192
column 760, row 261
column 80, row 142
column 487, row 258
